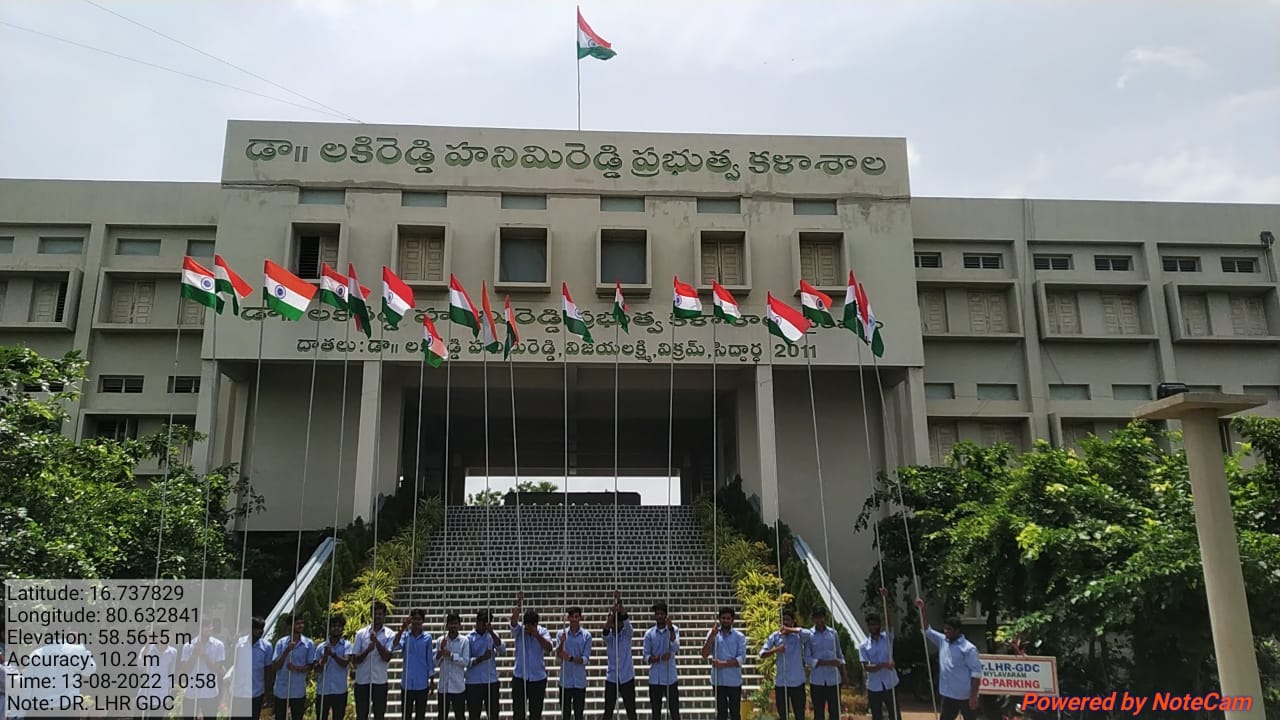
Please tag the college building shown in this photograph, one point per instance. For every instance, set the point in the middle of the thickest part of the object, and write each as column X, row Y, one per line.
column 1003, row 320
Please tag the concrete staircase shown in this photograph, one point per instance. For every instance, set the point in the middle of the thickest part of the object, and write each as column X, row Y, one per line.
column 486, row 557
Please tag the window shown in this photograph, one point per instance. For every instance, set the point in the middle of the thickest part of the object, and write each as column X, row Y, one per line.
column 1120, row 314
column 813, row 207
column 200, row 248
column 1248, row 315
column 1009, row 433
column 624, row 257
column 1052, row 262
column 1131, row 392
column 988, row 313
column 522, row 255
column 1068, row 392
column 1270, row 392
column 318, row 196
column 524, row 202
column 1239, row 265
column 130, row 384
column 943, row 436
column 43, row 387
column 6, row 246
column 48, row 301
column 184, row 384
column 60, row 246
column 132, row 301
column 4, row 290
column 1113, row 263
column 940, row 391
column 1062, row 310
column 116, row 428
column 723, row 257
column 190, row 312
column 928, row 260
column 933, row 311
column 1180, row 263
column 423, row 199
column 421, row 254
column 620, row 203
column 133, row 246
column 1195, row 315
column 820, row 258
column 983, row 261
column 720, row 206
column 1074, row 432
column 313, row 250
column 997, row 391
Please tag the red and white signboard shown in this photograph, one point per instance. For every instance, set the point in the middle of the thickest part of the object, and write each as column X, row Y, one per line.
column 1018, row 675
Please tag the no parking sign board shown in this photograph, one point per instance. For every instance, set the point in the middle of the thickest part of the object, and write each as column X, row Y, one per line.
column 1018, row 675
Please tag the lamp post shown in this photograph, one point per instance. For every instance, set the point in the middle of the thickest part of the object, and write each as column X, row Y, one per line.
column 1215, row 526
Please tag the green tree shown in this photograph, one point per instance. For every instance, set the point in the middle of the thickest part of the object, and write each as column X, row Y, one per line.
column 493, row 498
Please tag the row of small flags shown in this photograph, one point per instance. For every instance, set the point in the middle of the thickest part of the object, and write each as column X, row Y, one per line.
column 289, row 296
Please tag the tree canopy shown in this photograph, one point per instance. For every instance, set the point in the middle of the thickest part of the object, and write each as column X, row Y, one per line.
column 493, row 498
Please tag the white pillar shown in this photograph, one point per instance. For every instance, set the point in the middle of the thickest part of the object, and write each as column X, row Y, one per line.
column 767, row 443
column 367, row 442
column 1219, row 548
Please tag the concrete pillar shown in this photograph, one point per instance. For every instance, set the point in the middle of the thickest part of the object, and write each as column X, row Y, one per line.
column 768, row 444
column 202, row 452
column 915, row 440
column 367, row 441
column 1219, row 548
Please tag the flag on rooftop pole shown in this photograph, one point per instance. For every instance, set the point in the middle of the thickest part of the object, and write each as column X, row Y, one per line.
column 488, row 330
column 198, row 284
column 333, row 288
column 513, row 335
column 816, row 305
column 228, row 283
column 620, row 308
column 461, row 310
column 726, row 308
column 286, row 293
column 433, row 348
column 784, row 321
column 573, row 321
column 357, row 302
column 591, row 44
column 685, row 303
column 397, row 298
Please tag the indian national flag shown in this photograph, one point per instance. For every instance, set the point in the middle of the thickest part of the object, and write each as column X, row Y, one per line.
column 686, row 303
column 726, row 308
column 620, row 308
column 869, row 324
column 228, row 283
column 852, row 319
column 198, row 284
column 333, row 288
column 433, row 349
column 488, row 330
column 357, row 302
column 589, row 43
column 513, row 334
column 397, row 298
column 784, row 321
column 461, row 310
column 816, row 305
column 286, row 293
column 573, row 321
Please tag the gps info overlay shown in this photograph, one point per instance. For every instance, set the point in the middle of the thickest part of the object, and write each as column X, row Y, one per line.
column 124, row 648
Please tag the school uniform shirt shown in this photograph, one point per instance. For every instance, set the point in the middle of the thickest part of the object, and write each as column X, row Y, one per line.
column 573, row 675
column 620, row 664
column 373, row 671
column 878, row 651
column 958, row 663
column 419, row 659
column 332, row 678
column 658, row 641
column 217, row 652
column 531, row 660
column 292, row 684
column 728, row 646
column 789, row 664
column 453, row 669
column 487, row 671
column 162, row 669
column 250, row 678
column 823, row 645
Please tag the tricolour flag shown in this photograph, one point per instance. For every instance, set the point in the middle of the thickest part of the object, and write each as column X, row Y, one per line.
column 852, row 319
column 686, row 303
column 513, row 334
column 397, row 298
column 816, row 305
column 869, row 324
column 433, row 349
column 333, row 288
column 198, row 284
column 620, row 308
column 488, row 330
column 461, row 310
column 589, row 43
column 573, row 321
column 357, row 302
column 228, row 283
column 286, row 293
column 784, row 321
column 725, row 307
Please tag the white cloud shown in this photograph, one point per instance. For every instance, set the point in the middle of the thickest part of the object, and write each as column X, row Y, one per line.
column 1198, row 175
column 1143, row 59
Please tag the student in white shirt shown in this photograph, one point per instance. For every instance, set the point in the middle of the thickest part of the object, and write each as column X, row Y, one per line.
column 295, row 655
column 482, row 675
column 249, row 681
column 620, row 668
column 332, row 661
column 372, row 653
column 453, row 656
column 156, row 675
column 204, row 657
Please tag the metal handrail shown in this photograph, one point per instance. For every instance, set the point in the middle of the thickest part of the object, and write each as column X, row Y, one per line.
column 836, row 605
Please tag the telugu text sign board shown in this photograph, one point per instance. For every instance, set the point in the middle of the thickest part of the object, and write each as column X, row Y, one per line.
column 1018, row 675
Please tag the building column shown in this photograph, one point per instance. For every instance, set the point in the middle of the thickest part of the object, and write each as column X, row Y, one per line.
column 202, row 451
column 367, row 442
column 767, row 440
column 1037, row 390
column 914, row 438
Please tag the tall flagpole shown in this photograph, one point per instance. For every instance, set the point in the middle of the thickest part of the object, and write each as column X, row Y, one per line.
column 306, row 460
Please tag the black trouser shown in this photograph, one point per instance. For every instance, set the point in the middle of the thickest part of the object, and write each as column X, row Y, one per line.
column 790, row 697
column 331, row 706
column 671, row 693
column 414, row 704
column 573, row 703
column 371, row 696
column 880, row 700
column 729, row 702
column 536, row 690
column 628, row 692
column 296, row 707
column 457, row 702
column 482, row 696
column 951, row 706
column 828, row 696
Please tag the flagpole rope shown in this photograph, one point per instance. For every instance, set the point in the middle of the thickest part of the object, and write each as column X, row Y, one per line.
column 484, row 365
column 306, row 459
column 342, row 436
column 253, row 462
column 777, row 495
column 166, row 459
column 377, row 443
column 617, row 570
column 448, row 420
column 671, row 408
column 564, row 558
column 417, row 462
column 208, row 457
column 822, row 498
column 515, row 461
column 715, row 467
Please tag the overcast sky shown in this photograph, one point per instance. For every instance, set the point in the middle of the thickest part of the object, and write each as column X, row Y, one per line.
column 1161, row 100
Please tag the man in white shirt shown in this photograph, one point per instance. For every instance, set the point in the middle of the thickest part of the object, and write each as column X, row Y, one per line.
column 372, row 652
column 620, row 669
column 661, row 645
column 573, row 647
column 332, row 661
column 454, row 657
column 203, row 660
column 253, row 655
column 531, row 642
column 825, row 659
column 482, row 675
column 156, row 665
column 295, row 655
